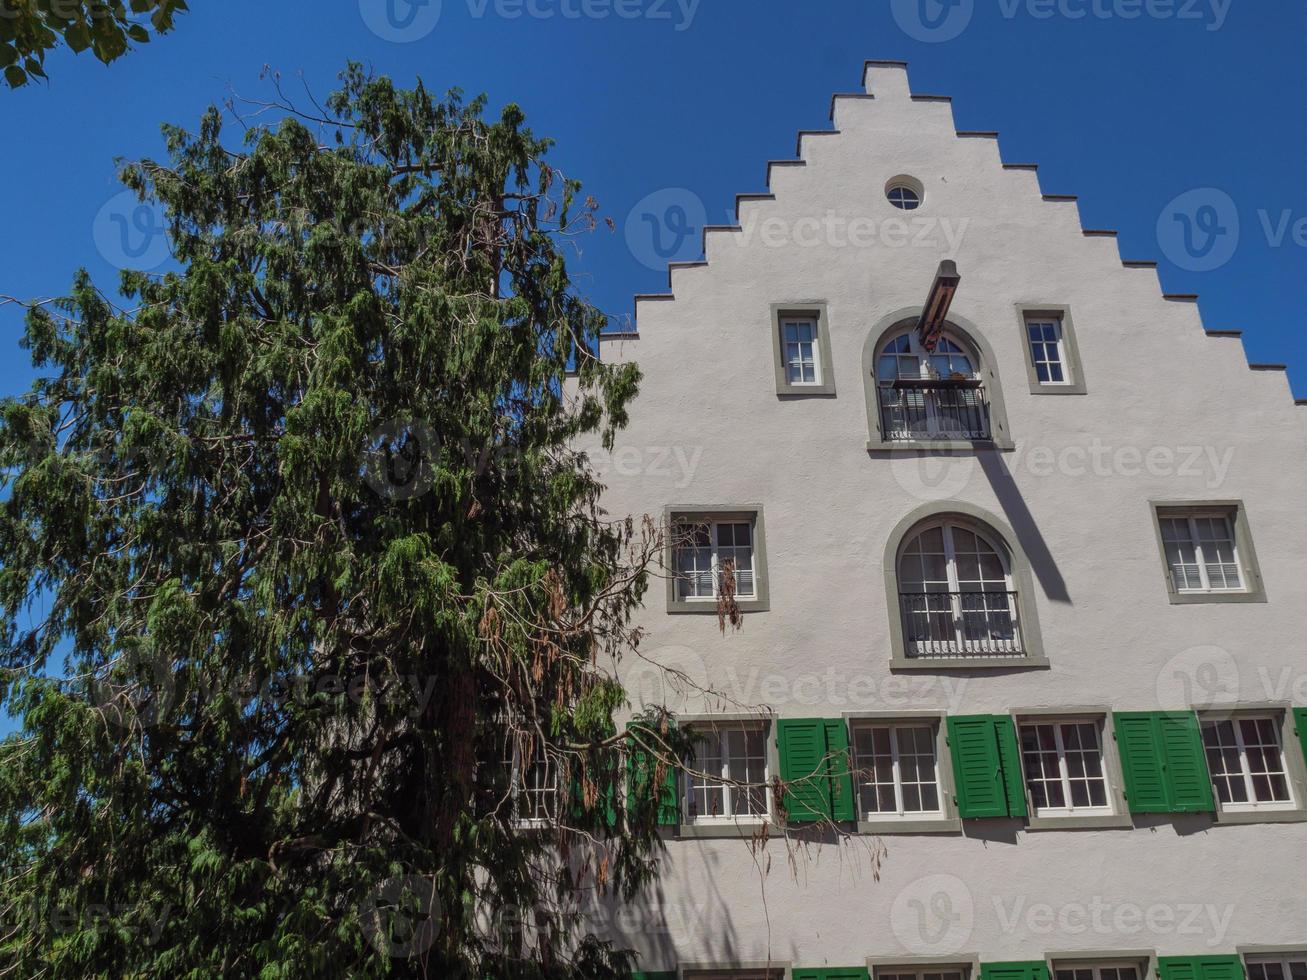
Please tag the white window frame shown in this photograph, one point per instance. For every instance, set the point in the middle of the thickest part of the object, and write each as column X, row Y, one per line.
column 1191, row 518
column 1097, row 968
column 517, row 767
column 813, row 323
column 713, row 525
column 894, row 727
column 1283, row 960
column 930, row 648
column 728, row 790
column 941, row 972
column 1057, row 722
column 1252, row 805
column 1060, row 348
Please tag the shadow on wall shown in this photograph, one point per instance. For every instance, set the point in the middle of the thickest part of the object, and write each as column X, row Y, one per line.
column 1042, row 564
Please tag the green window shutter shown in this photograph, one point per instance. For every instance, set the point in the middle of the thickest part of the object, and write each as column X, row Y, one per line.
column 1200, row 967
column 1189, row 782
column 1300, row 723
column 1009, row 755
column 977, row 766
column 832, row 973
column 1142, row 761
column 841, row 775
column 802, row 746
column 654, row 975
column 1164, row 762
column 640, row 767
column 1018, row 970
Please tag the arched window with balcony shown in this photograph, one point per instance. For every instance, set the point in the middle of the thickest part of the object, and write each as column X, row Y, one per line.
column 920, row 398
column 960, row 592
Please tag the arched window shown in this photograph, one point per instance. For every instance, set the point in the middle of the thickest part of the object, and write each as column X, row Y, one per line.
column 956, row 592
column 930, row 395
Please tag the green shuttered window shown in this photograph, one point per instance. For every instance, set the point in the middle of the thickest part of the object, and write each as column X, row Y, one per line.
column 1164, row 763
column 1019, row 970
column 986, row 766
column 832, row 973
column 1300, row 725
column 815, row 766
column 1200, row 968
column 641, row 767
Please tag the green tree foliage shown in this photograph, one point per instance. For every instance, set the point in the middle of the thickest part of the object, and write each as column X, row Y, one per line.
column 298, row 558
column 30, row 28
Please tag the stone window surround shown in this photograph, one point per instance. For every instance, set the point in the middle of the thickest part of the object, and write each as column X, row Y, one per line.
column 1255, row 590
column 1294, row 764
column 968, row 963
column 761, row 602
column 1100, row 715
column 970, row 334
column 1144, row 959
column 816, row 310
column 1022, row 581
column 739, row 828
column 950, row 822
column 1072, row 364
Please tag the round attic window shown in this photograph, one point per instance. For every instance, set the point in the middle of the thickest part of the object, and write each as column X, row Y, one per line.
column 904, row 193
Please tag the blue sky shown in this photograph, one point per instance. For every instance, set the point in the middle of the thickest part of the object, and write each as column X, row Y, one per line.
column 1153, row 111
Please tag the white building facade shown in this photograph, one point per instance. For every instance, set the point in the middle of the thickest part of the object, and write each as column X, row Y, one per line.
column 1023, row 602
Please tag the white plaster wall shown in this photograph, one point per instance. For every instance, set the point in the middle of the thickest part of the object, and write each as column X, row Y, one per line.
column 1155, row 380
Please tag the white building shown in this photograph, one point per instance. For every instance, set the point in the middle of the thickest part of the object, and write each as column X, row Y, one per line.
column 1016, row 575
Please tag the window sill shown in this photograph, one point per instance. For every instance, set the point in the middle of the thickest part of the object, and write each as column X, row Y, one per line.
column 806, row 391
column 1072, row 389
column 890, row 828
column 724, row 830
column 1097, row 821
column 1236, row 817
column 709, row 608
column 1197, row 598
column 967, row 663
column 936, row 445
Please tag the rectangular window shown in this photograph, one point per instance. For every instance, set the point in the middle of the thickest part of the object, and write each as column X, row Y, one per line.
column 1200, row 551
column 1064, row 768
column 801, row 348
column 1246, row 761
column 933, row 973
column 1047, row 351
column 897, row 771
column 1090, row 971
column 1291, row 967
column 703, row 551
column 728, row 776
column 534, row 784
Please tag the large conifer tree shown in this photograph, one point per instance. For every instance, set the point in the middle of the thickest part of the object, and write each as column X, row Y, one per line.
column 299, row 566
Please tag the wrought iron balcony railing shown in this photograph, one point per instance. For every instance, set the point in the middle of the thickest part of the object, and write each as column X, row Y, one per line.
column 934, row 409
column 957, row 625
